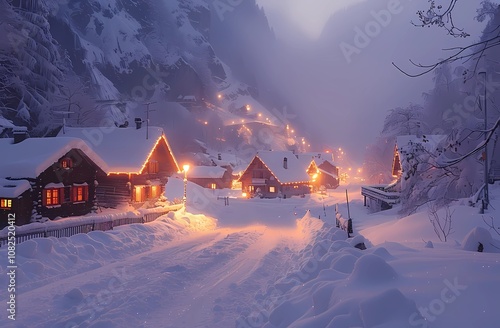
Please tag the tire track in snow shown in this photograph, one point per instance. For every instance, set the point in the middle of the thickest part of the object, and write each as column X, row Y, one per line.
column 218, row 287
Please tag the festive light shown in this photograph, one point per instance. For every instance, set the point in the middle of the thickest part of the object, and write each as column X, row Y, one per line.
column 149, row 156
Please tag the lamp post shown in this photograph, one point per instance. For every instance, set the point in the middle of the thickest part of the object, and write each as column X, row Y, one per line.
column 184, row 198
column 486, row 199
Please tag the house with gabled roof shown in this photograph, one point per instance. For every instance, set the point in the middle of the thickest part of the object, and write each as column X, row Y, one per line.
column 47, row 178
column 139, row 161
column 276, row 174
column 322, row 169
column 381, row 197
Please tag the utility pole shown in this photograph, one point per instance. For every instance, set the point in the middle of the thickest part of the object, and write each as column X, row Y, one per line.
column 147, row 116
column 486, row 199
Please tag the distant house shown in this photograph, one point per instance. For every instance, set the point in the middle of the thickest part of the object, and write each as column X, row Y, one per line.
column 212, row 177
column 47, row 177
column 139, row 161
column 276, row 174
column 381, row 197
column 321, row 169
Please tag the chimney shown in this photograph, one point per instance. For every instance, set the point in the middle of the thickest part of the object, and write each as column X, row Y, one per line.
column 138, row 123
column 285, row 163
column 20, row 134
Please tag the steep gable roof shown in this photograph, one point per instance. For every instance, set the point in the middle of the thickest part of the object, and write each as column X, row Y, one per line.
column 125, row 150
column 296, row 168
column 29, row 158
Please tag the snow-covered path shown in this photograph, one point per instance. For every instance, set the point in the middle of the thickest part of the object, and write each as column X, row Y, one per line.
column 201, row 280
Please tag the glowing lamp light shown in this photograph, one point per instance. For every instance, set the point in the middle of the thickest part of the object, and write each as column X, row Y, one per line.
column 185, row 167
column 219, row 96
column 244, row 195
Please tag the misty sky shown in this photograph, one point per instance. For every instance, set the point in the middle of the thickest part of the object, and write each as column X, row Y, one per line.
column 359, row 91
column 309, row 17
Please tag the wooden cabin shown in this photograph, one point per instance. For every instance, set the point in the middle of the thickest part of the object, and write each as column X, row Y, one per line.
column 274, row 174
column 321, row 169
column 139, row 161
column 211, row 177
column 47, row 178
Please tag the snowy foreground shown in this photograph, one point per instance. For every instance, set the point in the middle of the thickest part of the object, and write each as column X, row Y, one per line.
column 263, row 263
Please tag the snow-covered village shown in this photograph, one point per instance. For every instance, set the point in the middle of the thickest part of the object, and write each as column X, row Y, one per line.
column 249, row 163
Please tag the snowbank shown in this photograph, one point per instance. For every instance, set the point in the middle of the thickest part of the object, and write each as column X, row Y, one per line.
column 44, row 260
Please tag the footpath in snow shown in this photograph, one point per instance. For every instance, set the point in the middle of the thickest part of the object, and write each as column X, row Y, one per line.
column 263, row 263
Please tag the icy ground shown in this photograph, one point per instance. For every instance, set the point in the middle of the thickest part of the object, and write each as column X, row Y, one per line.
column 263, row 263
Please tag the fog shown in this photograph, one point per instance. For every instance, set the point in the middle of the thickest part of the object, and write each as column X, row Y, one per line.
column 333, row 64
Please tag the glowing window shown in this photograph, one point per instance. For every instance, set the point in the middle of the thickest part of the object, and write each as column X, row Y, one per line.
column 52, row 197
column 272, row 189
column 66, row 163
column 6, row 203
column 80, row 193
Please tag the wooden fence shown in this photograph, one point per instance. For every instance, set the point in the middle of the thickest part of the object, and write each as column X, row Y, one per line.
column 79, row 227
column 342, row 223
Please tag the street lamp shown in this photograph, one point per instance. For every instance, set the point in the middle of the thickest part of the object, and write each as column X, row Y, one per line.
column 486, row 192
column 184, row 199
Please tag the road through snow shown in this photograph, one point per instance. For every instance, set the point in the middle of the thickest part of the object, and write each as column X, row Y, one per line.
column 203, row 280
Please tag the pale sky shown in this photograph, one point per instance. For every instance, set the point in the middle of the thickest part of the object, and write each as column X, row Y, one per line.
column 308, row 15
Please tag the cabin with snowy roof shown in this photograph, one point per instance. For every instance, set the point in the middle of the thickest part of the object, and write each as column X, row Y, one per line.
column 322, row 170
column 139, row 161
column 274, row 174
column 212, row 177
column 47, row 178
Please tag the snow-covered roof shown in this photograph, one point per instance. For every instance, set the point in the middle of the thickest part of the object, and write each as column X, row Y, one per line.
column 32, row 156
column 13, row 188
column 296, row 168
column 318, row 157
column 5, row 123
column 209, row 172
column 429, row 142
column 125, row 150
column 332, row 174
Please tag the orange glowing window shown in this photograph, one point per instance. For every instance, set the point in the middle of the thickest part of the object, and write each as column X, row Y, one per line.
column 51, row 197
column 66, row 163
column 5, row 203
column 80, row 193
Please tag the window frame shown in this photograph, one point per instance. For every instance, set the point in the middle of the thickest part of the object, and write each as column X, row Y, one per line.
column 79, row 194
column 66, row 163
column 59, row 197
